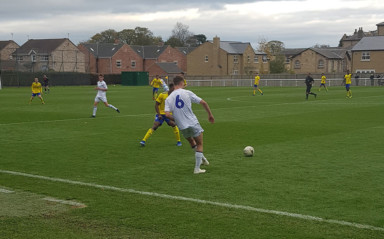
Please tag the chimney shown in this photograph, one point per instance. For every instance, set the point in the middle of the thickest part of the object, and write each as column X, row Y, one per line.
column 360, row 33
column 380, row 29
column 216, row 42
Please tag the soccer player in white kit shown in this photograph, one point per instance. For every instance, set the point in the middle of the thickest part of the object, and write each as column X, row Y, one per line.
column 102, row 95
column 179, row 103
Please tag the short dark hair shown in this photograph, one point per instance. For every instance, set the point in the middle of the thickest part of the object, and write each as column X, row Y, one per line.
column 171, row 85
column 101, row 75
column 177, row 80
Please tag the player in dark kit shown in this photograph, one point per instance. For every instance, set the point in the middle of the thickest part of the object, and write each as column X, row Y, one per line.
column 46, row 83
column 309, row 81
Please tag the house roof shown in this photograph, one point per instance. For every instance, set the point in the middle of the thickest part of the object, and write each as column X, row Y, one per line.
column 293, row 51
column 103, row 50
column 234, row 47
column 331, row 52
column 149, row 52
column 3, row 44
column 169, row 67
column 40, row 46
column 380, row 24
column 370, row 44
column 186, row 50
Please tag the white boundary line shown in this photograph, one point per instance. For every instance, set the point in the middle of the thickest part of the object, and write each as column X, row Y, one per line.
column 72, row 203
column 219, row 204
column 2, row 190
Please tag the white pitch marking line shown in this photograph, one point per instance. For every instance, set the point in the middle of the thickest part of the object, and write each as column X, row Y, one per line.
column 2, row 190
column 64, row 120
column 180, row 198
column 72, row 203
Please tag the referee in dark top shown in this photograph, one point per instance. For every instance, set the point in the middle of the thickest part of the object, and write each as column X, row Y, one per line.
column 309, row 81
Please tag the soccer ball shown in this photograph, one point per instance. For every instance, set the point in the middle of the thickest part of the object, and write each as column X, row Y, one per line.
column 248, row 151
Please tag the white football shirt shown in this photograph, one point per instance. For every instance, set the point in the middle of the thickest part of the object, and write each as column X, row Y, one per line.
column 179, row 102
column 103, row 85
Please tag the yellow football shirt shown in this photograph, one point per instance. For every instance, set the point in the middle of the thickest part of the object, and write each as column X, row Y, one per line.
column 323, row 78
column 348, row 78
column 36, row 87
column 257, row 80
column 161, row 100
column 156, row 83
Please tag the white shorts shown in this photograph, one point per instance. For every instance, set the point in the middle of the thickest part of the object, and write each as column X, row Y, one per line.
column 193, row 131
column 101, row 98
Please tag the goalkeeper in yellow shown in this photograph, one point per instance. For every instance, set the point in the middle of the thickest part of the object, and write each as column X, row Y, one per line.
column 256, row 85
column 37, row 90
column 160, row 118
column 348, row 82
column 323, row 81
column 156, row 83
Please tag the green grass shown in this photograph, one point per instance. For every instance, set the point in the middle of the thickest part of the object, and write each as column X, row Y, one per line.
column 322, row 157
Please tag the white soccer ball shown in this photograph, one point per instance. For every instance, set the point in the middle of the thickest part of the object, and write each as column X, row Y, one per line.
column 248, row 151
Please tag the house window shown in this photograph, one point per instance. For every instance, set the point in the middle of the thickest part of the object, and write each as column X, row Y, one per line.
column 297, row 64
column 206, row 59
column 248, row 59
column 44, row 58
column 19, row 58
column 287, row 60
column 365, row 56
column 320, row 64
column 235, row 72
column 265, row 59
column 256, row 59
column 133, row 64
column 235, row 59
column 33, row 58
column 118, row 63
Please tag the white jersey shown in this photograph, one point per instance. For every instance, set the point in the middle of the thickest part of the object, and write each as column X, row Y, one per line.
column 164, row 85
column 101, row 93
column 180, row 104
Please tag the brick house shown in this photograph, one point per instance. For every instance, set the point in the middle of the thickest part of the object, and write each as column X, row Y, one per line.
column 368, row 53
column 319, row 60
column 223, row 58
column 59, row 55
column 110, row 58
column 7, row 48
column 152, row 55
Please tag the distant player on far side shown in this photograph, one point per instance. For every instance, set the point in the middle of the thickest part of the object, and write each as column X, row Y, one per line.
column 102, row 95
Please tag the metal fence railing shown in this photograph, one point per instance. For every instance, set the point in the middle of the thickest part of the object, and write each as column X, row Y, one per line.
column 279, row 82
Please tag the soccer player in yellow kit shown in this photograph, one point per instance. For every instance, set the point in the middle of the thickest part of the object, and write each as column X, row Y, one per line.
column 256, row 85
column 156, row 83
column 323, row 81
column 160, row 118
column 36, row 90
column 348, row 82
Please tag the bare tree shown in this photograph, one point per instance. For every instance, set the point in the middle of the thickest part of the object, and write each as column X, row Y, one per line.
column 180, row 34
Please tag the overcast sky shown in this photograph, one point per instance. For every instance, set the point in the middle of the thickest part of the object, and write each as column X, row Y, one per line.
column 297, row 23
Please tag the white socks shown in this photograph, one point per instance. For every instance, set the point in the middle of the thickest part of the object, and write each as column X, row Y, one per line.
column 199, row 158
column 111, row 106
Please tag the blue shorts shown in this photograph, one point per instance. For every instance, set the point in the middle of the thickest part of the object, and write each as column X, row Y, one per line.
column 347, row 86
column 322, row 84
column 35, row 94
column 255, row 86
column 155, row 90
column 163, row 118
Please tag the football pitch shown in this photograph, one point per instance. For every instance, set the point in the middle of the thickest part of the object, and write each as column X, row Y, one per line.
column 317, row 171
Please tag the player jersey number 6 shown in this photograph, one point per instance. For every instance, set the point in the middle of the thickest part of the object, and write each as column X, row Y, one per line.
column 179, row 102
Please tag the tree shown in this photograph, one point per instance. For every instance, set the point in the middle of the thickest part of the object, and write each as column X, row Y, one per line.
column 181, row 33
column 137, row 36
column 277, row 65
column 273, row 49
column 107, row 36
